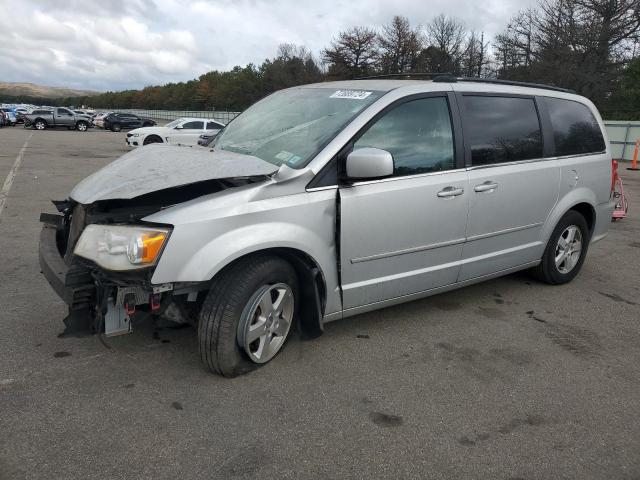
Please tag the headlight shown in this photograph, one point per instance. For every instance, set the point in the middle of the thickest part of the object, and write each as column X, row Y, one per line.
column 118, row 247
column 135, row 134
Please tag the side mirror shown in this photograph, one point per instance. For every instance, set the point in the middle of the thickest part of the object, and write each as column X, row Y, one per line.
column 178, row 127
column 369, row 163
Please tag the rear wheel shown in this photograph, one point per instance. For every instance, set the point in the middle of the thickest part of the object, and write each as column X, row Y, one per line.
column 116, row 127
column 40, row 124
column 247, row 316
column 565, row 251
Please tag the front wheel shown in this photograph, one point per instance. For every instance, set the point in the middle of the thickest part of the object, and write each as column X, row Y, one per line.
column 116, row 127
column 248, row 314
column 152, row 139
column 82, row 126
column 564, row 255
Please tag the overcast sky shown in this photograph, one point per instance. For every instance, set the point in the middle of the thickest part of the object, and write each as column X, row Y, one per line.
column 118, row 44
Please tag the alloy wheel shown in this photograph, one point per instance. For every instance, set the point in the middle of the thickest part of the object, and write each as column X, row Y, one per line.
column 266, row 322
column 568, row 249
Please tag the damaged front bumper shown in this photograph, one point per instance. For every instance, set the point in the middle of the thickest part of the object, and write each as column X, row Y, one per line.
column 97, row 303
column 101, row 301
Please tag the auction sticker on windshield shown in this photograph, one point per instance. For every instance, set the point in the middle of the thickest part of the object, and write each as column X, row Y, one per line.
column 351, row 94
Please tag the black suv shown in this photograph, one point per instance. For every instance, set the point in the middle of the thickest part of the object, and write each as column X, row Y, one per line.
column 125, row 121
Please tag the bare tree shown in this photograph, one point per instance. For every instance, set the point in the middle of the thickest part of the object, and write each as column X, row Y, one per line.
column 473, row 60
column 448, row 35
column 352, row 54
column 580, row 44
column 399, row 46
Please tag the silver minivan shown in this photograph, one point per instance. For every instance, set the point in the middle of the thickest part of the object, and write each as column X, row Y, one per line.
column 324, row 201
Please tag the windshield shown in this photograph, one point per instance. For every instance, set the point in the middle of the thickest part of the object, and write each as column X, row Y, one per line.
column 292, row 126
column 174, row 123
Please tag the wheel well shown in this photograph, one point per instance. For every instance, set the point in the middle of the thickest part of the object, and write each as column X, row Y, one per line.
column 153, row 136
column 588, row 212
column 40, row 119
column 312, row 286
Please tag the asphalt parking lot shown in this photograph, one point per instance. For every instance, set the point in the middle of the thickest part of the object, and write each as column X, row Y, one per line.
column 509, row 379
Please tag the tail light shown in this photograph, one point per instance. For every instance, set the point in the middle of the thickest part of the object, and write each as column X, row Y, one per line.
column 614, row 174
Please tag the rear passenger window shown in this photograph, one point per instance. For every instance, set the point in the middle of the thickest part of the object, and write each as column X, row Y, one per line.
column 418, row 135
column 213, row 126
column 501, row 129
column 575, row 130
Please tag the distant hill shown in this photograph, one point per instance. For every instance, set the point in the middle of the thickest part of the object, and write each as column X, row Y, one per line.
column 41, row 91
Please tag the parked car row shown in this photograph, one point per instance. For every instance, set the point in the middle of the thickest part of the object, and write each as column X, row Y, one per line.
column 143, row 131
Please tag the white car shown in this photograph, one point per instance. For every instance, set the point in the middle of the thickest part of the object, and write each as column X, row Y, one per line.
column 183, row 131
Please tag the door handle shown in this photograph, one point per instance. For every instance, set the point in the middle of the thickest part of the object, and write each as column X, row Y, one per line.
column 450, row 192
column 486, row 186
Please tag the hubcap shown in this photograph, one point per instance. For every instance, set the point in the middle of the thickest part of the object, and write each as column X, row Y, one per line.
column 39, row 125
column 568, row 249
column 266, row 321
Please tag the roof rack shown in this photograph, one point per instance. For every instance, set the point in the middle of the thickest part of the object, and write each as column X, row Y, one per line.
column 407, row 76
column 454, row 79
column 450, row 78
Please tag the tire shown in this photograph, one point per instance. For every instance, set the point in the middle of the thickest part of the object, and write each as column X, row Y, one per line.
column 82, row 126
column 152, row 139
column 229, row 307
column 40, row 124
column 549, row 271
column 116, row 127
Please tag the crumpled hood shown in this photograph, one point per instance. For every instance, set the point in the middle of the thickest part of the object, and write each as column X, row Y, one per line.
column 157, row 167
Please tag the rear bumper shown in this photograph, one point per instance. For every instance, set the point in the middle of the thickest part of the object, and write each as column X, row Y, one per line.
column 604, row 213
column 73, row 284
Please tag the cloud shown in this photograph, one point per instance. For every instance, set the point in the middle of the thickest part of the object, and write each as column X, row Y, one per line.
column 121, row 44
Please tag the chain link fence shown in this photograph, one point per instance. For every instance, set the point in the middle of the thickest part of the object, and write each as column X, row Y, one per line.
column 222, row 117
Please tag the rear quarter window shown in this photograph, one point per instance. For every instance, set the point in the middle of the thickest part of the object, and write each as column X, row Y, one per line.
column 193, row 125
column 575, row 129
column 501, row 129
